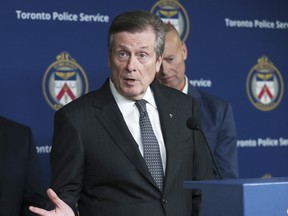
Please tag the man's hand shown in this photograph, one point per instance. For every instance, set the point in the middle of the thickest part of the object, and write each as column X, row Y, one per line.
column 61, row 208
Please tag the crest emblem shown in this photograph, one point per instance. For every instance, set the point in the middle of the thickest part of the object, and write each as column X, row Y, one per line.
column 174, row 12
column 264, row 85
column 64, row 81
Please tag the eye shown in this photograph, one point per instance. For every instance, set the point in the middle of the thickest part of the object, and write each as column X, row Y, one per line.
column 170, row 59
column 142, row 56
column 122, row 54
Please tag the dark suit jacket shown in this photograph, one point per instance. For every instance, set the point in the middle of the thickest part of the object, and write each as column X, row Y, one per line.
column 96, row 160
column 218, row 125
column 21, row 181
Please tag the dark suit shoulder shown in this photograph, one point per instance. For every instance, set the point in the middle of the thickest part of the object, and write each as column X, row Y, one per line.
column 15, row 135
column 88, row 99
column 170, row 92
column 212, row 100
column 206, row 98
column 11, row 124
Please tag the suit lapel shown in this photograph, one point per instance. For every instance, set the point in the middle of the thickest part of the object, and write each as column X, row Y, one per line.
column 108, row 113
column 168, row 121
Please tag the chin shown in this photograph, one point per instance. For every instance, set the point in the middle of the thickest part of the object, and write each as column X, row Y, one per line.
column 131, row 94
column 168, row 84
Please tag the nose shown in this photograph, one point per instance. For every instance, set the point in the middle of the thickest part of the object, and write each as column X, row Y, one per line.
column 131, row 64
column 163, row 68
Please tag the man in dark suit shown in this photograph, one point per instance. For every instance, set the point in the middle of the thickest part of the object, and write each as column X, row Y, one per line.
column 97, row 154
column 20, row 183
column 216, row 114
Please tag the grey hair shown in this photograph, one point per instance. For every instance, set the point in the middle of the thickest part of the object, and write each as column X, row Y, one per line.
column 138, row 21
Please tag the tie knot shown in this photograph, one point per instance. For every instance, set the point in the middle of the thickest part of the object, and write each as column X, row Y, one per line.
column 141, row 105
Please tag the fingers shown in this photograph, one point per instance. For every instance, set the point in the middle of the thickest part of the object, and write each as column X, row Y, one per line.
column 38, row 211
column 61, row 208
column 54, row 198
column 42, row 212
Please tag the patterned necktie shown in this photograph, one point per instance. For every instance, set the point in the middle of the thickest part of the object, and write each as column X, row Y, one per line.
column 150, row 144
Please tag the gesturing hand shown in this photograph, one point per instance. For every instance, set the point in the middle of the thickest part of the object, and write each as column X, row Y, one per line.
column 61, row 208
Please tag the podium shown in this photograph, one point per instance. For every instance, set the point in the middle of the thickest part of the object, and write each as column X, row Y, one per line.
column 243, row 197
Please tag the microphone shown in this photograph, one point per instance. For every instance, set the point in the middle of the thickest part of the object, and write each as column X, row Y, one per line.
column 192, row 124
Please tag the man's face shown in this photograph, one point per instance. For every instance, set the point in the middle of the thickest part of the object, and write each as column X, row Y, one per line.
column 172, row 72
column 133, row 62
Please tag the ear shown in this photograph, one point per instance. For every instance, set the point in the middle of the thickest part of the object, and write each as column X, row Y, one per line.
column 184, row 50
column 158, row 63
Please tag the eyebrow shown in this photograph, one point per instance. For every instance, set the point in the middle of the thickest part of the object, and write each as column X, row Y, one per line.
column 124, row 46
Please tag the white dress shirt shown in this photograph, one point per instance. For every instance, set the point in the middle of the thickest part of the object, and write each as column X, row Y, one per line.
column 131, row 116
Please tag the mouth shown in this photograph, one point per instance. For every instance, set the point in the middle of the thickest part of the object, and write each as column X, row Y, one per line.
column 166, row 79
column 129, row 81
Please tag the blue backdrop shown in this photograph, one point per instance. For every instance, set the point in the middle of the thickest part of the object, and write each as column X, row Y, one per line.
column 54, row 51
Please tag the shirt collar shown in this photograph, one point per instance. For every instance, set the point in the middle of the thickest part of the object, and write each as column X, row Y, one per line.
column 124, row 102
column 185, row 89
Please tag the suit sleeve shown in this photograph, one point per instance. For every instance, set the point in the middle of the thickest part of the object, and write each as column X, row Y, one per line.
column 34, row 192
column 226, row 148
column 67, row 159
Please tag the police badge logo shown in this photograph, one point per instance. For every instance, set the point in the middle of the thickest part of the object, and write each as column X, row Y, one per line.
column 174, row 12
column 264, row 85
column 64, row 81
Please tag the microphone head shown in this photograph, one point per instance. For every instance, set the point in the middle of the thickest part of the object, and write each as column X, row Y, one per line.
column 192, row 123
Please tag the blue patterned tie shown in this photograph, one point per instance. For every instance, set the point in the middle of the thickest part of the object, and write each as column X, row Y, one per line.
column 150, row 144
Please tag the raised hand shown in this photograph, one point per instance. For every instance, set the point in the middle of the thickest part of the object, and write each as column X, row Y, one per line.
column 61, row 208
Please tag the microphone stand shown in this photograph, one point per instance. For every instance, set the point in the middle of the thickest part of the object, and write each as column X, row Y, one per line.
column 192, row 124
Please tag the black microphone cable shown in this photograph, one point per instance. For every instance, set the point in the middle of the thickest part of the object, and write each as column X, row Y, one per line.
column 192, row 123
